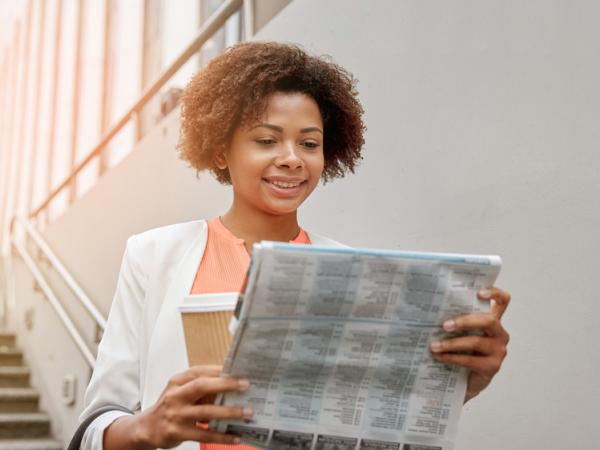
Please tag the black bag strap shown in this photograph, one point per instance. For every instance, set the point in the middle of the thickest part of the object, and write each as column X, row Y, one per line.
column 78, row 436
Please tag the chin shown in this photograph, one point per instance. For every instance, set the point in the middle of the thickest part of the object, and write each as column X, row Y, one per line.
column 281, row 210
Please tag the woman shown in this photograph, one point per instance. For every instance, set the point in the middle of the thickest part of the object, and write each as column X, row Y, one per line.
column 272, row 121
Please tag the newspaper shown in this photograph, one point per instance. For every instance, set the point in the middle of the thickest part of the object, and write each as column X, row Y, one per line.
column 335, row 343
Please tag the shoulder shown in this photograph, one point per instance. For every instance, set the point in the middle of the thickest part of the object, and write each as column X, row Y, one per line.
column 171, row 234
column 317, row 239
column 170, row 240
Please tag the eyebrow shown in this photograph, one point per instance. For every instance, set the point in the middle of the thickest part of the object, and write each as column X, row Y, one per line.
column 276, row 128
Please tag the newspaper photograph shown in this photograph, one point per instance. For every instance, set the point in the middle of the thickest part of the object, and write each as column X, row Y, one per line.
column 335, row 343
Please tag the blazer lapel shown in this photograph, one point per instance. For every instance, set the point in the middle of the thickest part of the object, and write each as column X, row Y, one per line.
column 167, row 354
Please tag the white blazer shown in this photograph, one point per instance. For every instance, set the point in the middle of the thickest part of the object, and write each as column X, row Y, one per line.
column 143, row 344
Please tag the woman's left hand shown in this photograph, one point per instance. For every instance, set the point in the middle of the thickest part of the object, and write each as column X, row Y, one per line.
column 483, row 353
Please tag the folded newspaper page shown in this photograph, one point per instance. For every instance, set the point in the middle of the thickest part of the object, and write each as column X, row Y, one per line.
column 335, row 343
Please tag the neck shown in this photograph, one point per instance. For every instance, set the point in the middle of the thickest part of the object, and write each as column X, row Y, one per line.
column 255, row 226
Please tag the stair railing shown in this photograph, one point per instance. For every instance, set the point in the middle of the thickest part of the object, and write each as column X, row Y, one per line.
column 208, row 29
column 30, row 231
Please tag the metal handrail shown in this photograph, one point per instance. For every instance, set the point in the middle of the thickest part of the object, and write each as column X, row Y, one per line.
column 248, row 19
column 63, row 272
column 55, row 303
column 210, row 27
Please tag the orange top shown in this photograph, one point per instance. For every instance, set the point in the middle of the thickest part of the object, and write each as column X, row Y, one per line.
column 223, row 269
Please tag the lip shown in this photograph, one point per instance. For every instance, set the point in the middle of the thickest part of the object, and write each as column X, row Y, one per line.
column 284, row 192
column 285, row 179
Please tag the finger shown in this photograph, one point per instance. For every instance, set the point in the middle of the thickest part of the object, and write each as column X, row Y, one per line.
column 499, row 299
column 208, row 399
column 477, row 321
column 196, row 372
column 477, row 344
column 206, row 413
column 214, row 437
column 485, row 365
column 200, row 387
column 196, row 434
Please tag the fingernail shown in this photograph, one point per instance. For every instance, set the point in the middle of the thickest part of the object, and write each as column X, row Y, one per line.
column 243, row 384
column 435, row 346
column 449, row 325
column 485, row 293
column 247, row 411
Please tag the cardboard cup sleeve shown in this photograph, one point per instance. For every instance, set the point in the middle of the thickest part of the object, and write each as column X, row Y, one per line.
column 205, row 321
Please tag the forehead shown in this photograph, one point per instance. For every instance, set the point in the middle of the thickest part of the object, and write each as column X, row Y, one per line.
column 290, row 107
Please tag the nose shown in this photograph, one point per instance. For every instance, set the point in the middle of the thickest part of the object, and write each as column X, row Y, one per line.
column 289, row 156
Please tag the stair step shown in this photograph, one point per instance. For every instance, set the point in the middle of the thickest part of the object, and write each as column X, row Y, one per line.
column 18, row 400
column 30, row 444
column 17, row 376
column 24, row 425
column 10, row 357
column 7, row 339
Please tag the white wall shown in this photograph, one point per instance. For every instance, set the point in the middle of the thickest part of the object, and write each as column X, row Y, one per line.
column 482, row 137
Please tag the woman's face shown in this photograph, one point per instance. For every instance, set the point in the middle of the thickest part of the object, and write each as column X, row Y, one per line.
column 277, row 161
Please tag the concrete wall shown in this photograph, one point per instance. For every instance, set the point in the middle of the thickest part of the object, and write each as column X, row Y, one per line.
column 482, row 137
column 265, row 11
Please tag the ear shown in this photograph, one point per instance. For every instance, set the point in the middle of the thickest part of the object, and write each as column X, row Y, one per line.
column 220, row 160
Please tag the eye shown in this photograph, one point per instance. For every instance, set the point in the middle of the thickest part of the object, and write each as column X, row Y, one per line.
column 265, row 141
column 311, row 144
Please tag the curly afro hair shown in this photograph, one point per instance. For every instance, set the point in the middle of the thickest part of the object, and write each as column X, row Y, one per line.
column 233, row 89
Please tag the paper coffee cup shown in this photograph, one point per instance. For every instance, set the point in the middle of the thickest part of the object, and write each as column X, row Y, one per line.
column 205, row 321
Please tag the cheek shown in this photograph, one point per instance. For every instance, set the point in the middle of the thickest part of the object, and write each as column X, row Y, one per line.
column 246, row 170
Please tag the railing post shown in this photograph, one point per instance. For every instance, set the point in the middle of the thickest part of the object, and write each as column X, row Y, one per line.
column 248, row 19
column 9, row 147
column 54, row 98
column 23, row 126
column 76, row 96
column 105, row 88
column 37, row 108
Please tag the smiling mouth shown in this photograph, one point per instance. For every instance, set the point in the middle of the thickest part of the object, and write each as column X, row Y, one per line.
column 285, row 184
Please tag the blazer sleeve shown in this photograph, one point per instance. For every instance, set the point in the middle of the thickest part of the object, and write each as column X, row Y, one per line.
column 116, row 376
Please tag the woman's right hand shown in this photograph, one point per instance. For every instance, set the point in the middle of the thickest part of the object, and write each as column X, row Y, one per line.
column 186, row 400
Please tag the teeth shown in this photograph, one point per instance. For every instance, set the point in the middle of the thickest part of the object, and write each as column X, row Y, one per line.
column 285, row 185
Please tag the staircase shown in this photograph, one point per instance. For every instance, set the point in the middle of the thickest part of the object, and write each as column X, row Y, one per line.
column 22, row 425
